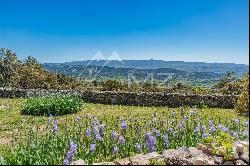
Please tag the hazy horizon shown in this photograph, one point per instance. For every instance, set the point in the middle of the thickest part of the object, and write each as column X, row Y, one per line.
column 153, row 59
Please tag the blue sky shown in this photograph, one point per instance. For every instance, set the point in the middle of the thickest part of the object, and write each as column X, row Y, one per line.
column 67, row 30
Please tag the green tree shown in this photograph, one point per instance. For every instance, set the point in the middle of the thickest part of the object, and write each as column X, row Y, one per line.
column 32, row 74
column 149, row 86
column 8, row 68
column 230, row 76
column 110, row 85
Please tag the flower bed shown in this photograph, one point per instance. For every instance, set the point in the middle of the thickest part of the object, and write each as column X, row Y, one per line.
column 108, row 138
column 52, row 104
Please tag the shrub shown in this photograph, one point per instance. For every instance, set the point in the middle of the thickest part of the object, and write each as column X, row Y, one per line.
column 111, row 85
column 52, row 104
column 227, row 78
column 201, row 90
column 221, row 145
column 242, row 104
column 149, row 86
column 157, row 162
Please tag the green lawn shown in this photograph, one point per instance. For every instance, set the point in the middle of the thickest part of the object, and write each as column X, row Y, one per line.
column 11, row 118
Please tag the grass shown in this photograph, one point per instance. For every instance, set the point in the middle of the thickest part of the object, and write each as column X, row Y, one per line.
column 11, row 118
column 10, row 113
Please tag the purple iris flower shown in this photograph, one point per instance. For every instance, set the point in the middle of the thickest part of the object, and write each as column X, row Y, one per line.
column 197, row 129
column 78, row 118
column 115, row 150
column 151, row 143
column 220, row 126
column 157, row 132
column 166, row 141
column 99, row 138
column 122, row 140
column 197, row 119
column 123, row 124
column 212, row 129
column 245, row 133
column 235, row 135
column 55, row 127
column 185, row 117
column 50, row 119
column 174, row 114
column 138, row 148
column 236, row 121
column 147, row 135
column 87, row 132
column 225, row 129
column 204, row 135
column 72, row 151
column 101, row 130
column 210, row 122
column 169, row 130
column 92, row 148
column 66, row 162
column 180, row 126
column 95, row 122
column 95, row 130
column 192, row 112
column 203, row 127
column 114, row 135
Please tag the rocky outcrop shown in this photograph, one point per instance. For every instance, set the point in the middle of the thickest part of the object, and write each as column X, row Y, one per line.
column 182, row 156
column 136, row 98
column 79, row 162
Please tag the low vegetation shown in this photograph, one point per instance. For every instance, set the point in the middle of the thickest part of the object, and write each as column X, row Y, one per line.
column 221, row 145
column 57, row 104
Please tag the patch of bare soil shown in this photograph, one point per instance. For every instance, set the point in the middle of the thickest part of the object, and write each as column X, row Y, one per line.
column 5, row 141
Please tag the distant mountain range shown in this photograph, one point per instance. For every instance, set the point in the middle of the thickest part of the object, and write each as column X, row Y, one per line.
column 211, row 69
column 194, row 73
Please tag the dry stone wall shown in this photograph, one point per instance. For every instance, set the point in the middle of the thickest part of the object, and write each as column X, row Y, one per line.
column 159, row 99
column 136, row 98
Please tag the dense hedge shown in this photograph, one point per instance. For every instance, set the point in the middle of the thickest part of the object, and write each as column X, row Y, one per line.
column 52, row 105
